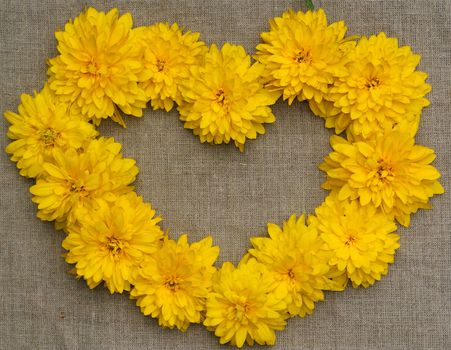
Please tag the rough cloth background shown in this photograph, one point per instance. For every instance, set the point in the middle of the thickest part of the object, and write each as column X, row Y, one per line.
column 200, row 189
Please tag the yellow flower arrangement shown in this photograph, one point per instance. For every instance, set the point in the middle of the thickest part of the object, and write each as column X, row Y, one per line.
column 303, row 55
column 243, row 306
column 174, row 282
column 293, row 256
column 361, row 239
column 98, row 68
column 225, row 99
column 110, row 243
column 74, row 182
column 388, row 171
column 41, row 127
column 369, row 90
column 380, row 84
column 169, row 54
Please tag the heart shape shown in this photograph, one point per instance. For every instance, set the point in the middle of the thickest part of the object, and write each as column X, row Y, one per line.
column 377, row 175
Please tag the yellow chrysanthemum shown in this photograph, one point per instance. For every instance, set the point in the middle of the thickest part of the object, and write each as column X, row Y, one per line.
column 108, row 244
column 225, row 99
column 361, row 239
column 99, row 66
column 388, row 171
column 293, row 255
column 302, row 54
column 74, row 181
column 243, row 306
column 380, row 84
column 41, row 126
column 173, row 283
column 168, row 57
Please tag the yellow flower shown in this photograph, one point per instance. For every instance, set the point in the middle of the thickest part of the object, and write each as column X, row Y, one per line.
column 380, row 84
column 98, row 67
column 173, row 283
column 292, row 254
column 109, row 244
column 361, row 239
column 74, row 183
column 302, row 54
column 225, row 99
column 388, row 171
column 243, row 306
column 168, row 57
column 41, row 126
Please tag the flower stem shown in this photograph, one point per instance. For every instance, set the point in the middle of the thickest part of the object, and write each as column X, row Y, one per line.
column 309, row 4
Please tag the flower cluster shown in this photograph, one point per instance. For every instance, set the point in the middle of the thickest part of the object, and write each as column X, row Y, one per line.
column 41, row 128
column 380, row 85
column 173, row 284
column 244, row 305
column 99, row 66
column 368, row 89
column 388, row 172
column 303, row 55
column 169, row 54
column 295, row 258
column 109, row 244
column 360, row 239
column 83, row 182
column 225, row 98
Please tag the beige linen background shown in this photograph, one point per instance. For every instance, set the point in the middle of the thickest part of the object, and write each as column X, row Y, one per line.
column 200, row 190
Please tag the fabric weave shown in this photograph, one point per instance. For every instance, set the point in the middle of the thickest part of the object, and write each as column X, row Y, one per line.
column 201, row 189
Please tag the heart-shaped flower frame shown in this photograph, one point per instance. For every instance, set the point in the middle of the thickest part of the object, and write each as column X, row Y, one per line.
column 368, row 88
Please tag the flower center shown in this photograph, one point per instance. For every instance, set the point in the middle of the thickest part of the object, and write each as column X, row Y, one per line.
column 96, row 69
column 220, row 97
column 160, row 65
column 78, row 188
column 242, row 309
column 385, row 171
column 351, row 240
column 291, row 274
column 372, row 83
column 114, row 245
column 93, row 68
column 303, row 56
column 48, row 136
column 172, row 283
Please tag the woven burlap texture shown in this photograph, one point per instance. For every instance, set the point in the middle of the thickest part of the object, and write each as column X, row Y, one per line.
column 217, row 190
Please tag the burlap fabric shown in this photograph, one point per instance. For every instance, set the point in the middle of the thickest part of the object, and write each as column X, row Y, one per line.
column 200, row 190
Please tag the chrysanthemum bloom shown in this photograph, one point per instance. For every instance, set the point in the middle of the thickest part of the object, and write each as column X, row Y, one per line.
column 302, row 54
column 380, row 83
column 243, row 306
column 361, row 239
column 225, row 98
column 388, row 171
column 173, row 283
column 99, row 66
column 108, row 244
column 293, row 255
column 74, row 182
column 41, row 126
column 168, row 57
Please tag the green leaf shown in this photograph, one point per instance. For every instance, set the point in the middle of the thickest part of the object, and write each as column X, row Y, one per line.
column 309, row 4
